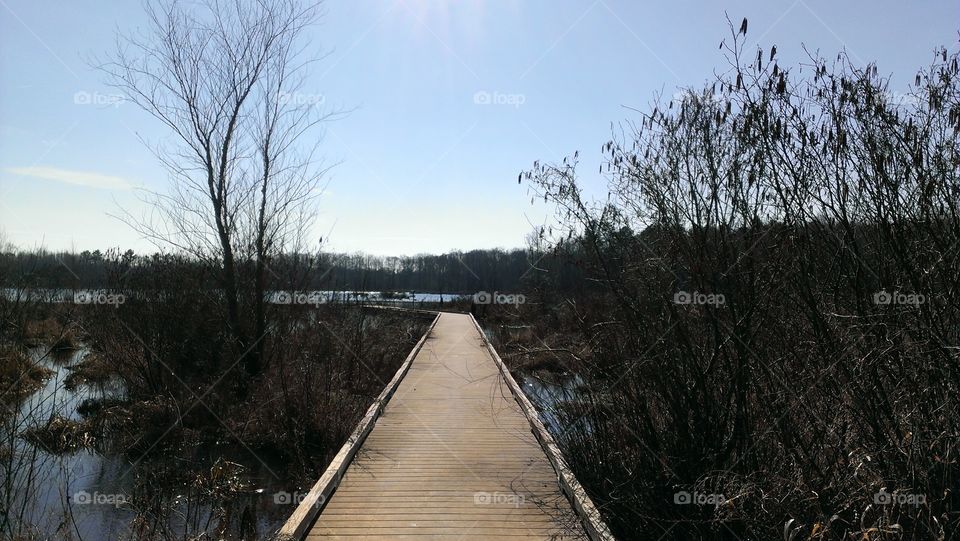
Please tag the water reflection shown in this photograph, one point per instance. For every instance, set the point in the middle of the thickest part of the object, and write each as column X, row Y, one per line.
column 90, row 494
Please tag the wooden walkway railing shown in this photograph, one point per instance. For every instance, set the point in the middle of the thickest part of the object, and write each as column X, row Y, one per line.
column 452, row 449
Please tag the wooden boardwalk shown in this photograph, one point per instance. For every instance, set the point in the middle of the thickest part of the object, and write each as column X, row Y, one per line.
column 451, row 457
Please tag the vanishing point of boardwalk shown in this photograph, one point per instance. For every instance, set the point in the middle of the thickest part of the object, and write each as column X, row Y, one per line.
column 452, row 456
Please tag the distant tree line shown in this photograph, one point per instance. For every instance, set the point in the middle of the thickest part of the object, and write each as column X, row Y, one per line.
column 521, row 270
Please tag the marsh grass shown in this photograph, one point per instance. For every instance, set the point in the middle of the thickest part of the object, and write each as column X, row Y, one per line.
column 19, row 376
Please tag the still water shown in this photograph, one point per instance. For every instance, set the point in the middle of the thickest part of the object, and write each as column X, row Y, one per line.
column 92, row 496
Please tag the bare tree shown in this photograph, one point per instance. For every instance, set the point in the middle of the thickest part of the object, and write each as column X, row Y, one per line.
column 226, row 77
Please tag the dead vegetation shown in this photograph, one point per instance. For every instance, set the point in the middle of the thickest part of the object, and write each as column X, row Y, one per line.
column 61, row 435
column 19, row 376
column 92, row 370
column 767, row 327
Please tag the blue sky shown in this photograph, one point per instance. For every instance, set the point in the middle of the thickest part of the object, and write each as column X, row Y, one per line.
column 422, row 166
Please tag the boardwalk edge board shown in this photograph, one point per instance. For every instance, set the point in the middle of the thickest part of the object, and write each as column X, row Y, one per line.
column 309, row 509
column 590, row 516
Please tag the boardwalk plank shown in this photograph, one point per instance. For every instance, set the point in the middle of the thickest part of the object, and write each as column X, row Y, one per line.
column 451, row 457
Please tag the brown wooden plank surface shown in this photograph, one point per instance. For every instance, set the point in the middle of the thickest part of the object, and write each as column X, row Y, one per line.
column 451, row 457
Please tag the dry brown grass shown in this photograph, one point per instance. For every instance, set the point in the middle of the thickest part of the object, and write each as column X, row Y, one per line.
column 19, row 376
column 61, row 435
column 93, row 370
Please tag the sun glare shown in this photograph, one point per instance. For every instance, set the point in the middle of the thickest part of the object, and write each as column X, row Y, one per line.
column 443, row 18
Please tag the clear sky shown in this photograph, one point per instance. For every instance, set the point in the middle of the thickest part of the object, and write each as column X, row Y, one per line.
column 423, row 167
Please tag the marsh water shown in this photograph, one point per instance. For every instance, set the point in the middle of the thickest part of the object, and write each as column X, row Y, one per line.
column 550, row 392
column 88, row 495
